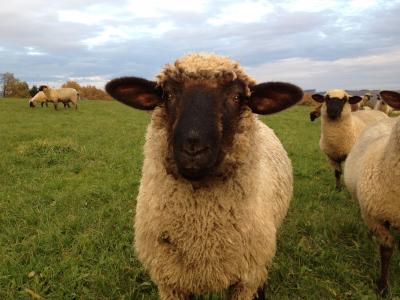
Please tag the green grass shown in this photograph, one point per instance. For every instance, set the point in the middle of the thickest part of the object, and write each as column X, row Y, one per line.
column 68, row 181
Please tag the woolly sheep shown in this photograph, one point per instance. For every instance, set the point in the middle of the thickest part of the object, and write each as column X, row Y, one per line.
column 372, row 175
column 39, row 98
column 340, row 127
column 63, row 95
column 382, row 106
column 216, row 182
column 366, row 103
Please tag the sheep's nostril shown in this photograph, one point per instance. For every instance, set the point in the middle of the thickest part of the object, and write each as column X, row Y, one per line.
column 194, row 149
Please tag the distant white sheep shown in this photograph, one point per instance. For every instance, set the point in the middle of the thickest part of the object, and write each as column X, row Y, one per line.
column 372, row 175
column 340, row 127
column 39, row 98
column 63, row 95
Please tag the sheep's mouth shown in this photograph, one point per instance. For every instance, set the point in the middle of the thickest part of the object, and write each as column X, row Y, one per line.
column 31, row 104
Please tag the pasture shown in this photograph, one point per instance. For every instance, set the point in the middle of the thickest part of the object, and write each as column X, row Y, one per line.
column 68, row 183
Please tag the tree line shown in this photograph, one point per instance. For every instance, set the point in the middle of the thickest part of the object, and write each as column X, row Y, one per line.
column 16, row 88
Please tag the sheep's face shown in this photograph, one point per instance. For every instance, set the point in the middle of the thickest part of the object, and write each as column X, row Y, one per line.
column 202, row 118
column 31, row 104
column 201, row 115
column 43, row 88
column 336, row 103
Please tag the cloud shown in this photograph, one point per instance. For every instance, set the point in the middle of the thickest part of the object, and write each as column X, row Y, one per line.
column 380, row 71
column 91, row 38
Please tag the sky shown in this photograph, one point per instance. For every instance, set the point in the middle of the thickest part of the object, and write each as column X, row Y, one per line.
column 352, row 44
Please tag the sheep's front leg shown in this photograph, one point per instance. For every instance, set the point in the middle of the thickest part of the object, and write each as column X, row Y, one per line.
column 241, row 291
column 167, row 293
column 55, row 105
column 386, row 245
column 338, row 172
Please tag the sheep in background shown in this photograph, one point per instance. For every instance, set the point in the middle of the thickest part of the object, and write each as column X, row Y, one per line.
column 216, row 182
column 340, row 127
column 39, row 98
column 372, row 175
column 366, row 103
column 64, row 95
column 316, row 113
column 382, row 106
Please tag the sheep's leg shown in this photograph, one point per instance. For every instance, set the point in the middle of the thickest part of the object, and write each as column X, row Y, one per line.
column 386, row 242
column 42, row 104
column 46, row 104
column 171, row 294
column 76, row 106
column 261, row 293
column 240, row 291
column 338, row 172
column 55, row 105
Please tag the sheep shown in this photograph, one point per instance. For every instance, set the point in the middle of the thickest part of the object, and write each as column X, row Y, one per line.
column 382, row 106
column 365, row 103
column 340, row 127
column 40, row 97
column 63, row 95
column 216, row 182
column 372, row 176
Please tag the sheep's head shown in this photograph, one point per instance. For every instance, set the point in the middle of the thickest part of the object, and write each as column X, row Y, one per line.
column 391, row 98
column 43, row 88
column 203, row 97
column 31, row 104
column 336, row 102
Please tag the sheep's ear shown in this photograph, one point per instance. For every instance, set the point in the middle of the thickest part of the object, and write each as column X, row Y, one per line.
column 136, row 92
column 391, row 98
column 318, row 98
column 354, row 99
column 271, row 97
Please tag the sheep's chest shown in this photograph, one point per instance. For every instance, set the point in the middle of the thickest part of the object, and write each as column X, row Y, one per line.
column 197, row 242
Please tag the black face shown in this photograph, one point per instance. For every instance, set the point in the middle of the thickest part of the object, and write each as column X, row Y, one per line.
column 31, row 104
column 334, row 106
column 202, row 119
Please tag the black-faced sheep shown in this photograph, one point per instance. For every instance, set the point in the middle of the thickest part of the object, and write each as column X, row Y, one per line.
column 63, row 95
column 39, row 98
column 216, row 182
column 372, row 175
column 340, row 127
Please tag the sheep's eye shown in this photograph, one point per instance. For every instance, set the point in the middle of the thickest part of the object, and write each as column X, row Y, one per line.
column 169, row 96
column 236, row 98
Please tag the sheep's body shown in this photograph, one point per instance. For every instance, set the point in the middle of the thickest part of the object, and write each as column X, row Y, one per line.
column 200, row 240
column 372, row 176
column 39, row 98
column 63, row 95
column 338, row 137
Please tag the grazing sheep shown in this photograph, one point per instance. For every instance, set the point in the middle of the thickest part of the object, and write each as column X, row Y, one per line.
column 340, row 127
column 372, row 175
column 216, row 182
column 39, row 98
column 64, row 95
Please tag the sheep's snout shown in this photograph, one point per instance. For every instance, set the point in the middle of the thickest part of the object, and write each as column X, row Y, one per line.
column 31, row 104
column 194, row 157
column 334, row 107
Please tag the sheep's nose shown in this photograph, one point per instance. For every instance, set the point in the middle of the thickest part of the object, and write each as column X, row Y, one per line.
column 193, row 145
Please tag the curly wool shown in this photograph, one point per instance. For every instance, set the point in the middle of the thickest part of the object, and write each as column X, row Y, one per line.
column 205, row 237
column 372, row 175
column 204, row 66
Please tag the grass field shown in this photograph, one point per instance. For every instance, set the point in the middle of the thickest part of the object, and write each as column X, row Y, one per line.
column 68, row 183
